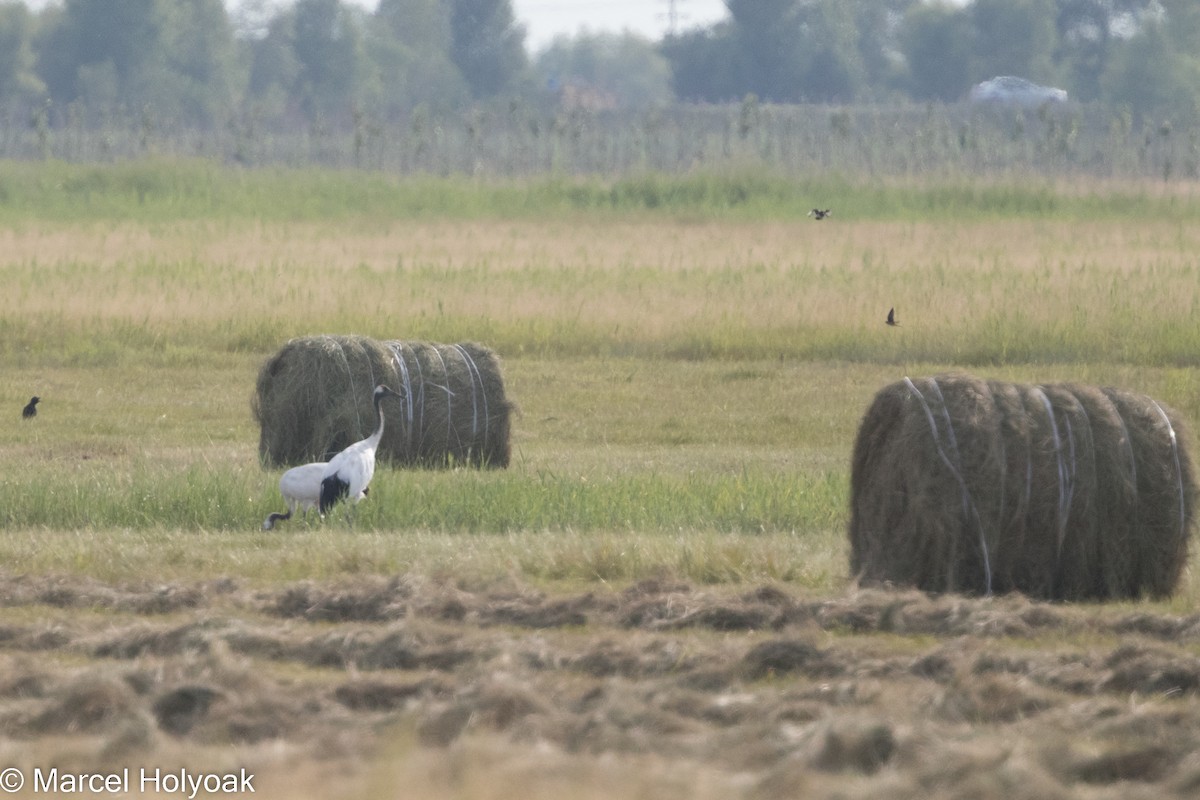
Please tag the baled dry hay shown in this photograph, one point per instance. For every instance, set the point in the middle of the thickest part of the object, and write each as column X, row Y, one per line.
column 313, row 398
column 1060, row 491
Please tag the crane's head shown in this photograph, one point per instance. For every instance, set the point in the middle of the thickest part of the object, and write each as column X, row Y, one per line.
column 382, row 391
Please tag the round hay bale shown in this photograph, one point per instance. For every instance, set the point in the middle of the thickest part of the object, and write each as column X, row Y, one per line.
column 1062, row 491
column 313, row 398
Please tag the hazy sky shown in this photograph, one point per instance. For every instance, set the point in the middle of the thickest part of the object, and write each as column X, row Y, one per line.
column 545, row 19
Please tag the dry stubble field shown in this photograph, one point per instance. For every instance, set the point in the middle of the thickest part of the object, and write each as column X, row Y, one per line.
column 416, row 660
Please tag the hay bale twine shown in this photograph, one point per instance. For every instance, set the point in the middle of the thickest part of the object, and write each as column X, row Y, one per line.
column 313, row 398
column 1062, row 492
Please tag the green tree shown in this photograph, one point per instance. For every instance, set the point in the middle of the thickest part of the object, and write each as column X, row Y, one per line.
column 1182, row 25
column 1013, row 37
column 121, row 38
column 201, row 77
column 702, row 64
column 790, row 50
column 423, row 25
column 327, row 48
column 487, row 44
column 274, row 68
column 876, row 27
column 936, row 43
column 626, row 66
column 18, row 79
column 164, row 59
column 767, row 61
column 1086, row 33
column 1149, row 77
column 833, row 69
column 408, row 59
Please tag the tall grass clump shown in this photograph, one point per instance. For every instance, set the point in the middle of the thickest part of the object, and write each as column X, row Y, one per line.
column 141, row 497
column 754, row 502
column 865, row 141
column 209, row 498
column 203, row 522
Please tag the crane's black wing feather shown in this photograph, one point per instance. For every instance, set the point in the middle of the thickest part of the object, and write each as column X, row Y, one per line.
column 333, row 489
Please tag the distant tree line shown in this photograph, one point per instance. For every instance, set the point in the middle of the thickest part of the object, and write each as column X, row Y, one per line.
column 198, row 64
column 1142, row 56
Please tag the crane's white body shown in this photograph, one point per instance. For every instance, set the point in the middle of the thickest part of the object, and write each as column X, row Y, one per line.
column 349, row 473
column 301, row 490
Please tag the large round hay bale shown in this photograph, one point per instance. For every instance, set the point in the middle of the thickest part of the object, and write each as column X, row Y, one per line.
column 1061, row 491
column 313, row 398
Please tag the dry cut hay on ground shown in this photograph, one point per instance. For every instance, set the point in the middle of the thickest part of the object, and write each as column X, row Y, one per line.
column 412, row 686
column 313, row 398
column 1063, row 491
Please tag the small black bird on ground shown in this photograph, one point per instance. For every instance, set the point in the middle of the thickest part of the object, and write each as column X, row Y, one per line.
column 30, row 410
column 818, row 213
column 891, row 320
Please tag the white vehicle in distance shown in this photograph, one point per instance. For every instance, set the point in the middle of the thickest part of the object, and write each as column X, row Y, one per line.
column 1011, row 91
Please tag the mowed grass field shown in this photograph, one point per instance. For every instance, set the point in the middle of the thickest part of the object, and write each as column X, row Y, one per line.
column 690, row 361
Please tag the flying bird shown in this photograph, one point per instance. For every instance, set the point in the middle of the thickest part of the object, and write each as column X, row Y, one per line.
column 891, row 320
column 30, row 411
column 301, row 489
column 818, row 213
column 349, row 473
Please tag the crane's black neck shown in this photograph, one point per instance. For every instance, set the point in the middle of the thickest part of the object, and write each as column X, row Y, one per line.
column 379, row 413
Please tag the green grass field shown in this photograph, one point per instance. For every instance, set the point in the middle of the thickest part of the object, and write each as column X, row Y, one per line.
column 690, row 358
column 688, row 370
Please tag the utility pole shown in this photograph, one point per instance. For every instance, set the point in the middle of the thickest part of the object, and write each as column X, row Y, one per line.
column 672, row 17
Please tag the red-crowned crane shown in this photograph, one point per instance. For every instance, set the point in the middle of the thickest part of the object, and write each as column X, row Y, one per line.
column 30, row 411
column 349, row 473
column 301, row 489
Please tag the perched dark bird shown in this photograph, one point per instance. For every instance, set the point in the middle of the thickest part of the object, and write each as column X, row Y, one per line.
column 891, row 320
column 30, row 410
column 349, row 473
column 818, row 213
